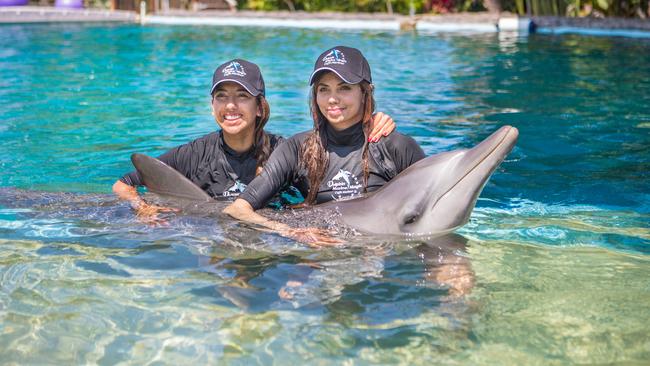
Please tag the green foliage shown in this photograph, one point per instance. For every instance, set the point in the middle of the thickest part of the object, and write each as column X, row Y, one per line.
column 97, row 4
column 469, row 5
column 579, row 8
column 369, row 6
column 621, row 8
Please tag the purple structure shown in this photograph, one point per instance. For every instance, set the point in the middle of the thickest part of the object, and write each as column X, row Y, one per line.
column 13, row 2
column 70, row 4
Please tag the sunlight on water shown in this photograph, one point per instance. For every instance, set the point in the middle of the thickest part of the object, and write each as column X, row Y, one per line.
column 578, row 305
column 563, row 226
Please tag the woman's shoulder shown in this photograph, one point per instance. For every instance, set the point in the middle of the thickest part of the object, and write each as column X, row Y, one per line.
column 200, row 143
column 398, row 141
column 275, row 139
column 206, row 143
column 288, row 146
column 209, row 138
column 300, row 137
column 396, row 152
column 278, row 138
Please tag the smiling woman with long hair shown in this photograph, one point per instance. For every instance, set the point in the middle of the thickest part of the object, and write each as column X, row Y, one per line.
column 222, row 163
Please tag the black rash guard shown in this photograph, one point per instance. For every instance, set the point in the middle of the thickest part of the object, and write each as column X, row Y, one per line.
column 344, row 176
column 211, row 164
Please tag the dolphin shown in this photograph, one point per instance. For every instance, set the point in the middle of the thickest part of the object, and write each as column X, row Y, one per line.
column 434, row 196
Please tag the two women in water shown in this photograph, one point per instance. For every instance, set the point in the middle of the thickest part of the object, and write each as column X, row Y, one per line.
column 222, row 163
column 332, row 161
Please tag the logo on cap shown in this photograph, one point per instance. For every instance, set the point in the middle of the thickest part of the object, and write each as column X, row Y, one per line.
column 235, row 68
column 334, row 57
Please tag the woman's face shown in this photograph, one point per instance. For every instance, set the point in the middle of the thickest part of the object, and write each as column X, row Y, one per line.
column 235, row 109
column 341, row 103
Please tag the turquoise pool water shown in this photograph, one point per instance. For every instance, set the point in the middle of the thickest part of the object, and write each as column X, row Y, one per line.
column 553, row 267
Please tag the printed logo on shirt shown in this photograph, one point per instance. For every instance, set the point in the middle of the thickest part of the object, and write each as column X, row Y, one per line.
column 235, row 190
column 334, row 57
column 235, row 68
column 344, row 185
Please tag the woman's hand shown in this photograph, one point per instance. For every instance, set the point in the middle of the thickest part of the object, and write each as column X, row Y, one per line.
column 148, row 214
column 144, row 212
column 381, row 125
column 314, row 237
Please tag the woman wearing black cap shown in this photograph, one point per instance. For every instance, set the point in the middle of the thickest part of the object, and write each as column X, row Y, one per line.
column 222, row 163
column 334, row 160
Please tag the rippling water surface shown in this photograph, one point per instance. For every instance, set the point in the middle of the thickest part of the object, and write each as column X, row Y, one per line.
column 553, row 267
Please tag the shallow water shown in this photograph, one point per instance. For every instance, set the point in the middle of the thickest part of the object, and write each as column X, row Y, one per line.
column 551, row 269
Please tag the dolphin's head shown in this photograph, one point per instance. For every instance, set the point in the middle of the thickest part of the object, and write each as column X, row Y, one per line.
column 433, row 196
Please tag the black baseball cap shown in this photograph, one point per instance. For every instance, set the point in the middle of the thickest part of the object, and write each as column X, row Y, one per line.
column 346, row 62
column 242, row 72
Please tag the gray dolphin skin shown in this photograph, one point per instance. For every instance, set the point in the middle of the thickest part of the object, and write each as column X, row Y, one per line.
column 164, row 180
column 432, row 197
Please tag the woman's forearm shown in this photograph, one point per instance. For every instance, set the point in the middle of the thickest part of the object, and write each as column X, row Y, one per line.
column 243, row 211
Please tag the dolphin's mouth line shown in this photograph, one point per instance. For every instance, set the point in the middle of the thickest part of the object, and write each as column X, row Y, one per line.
column 496, row 146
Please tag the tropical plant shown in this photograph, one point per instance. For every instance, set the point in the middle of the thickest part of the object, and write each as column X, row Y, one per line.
column 620, row 8
column 580, row 8
column 372, row 6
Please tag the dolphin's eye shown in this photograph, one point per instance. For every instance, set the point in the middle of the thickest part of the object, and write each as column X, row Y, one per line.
column 410, row 218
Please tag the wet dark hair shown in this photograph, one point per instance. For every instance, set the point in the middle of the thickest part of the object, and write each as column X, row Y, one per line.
column 313, row 154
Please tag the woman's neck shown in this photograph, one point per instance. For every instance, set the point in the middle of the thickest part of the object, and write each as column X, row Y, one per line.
column 353, row 135
column 239, row 143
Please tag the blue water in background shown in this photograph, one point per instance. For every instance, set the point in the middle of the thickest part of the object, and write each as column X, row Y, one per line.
column 76, row 100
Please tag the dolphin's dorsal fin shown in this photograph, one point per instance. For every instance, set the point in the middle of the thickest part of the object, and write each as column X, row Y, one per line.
column 164, row 180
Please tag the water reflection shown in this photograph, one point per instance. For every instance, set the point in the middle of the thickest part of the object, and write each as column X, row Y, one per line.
column 375, row 283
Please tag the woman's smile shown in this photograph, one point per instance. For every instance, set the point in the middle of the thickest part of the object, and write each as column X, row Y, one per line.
column 335, row 111
column 232, row 117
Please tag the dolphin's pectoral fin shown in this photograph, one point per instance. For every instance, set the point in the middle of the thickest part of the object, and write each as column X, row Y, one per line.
column 164, row 180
